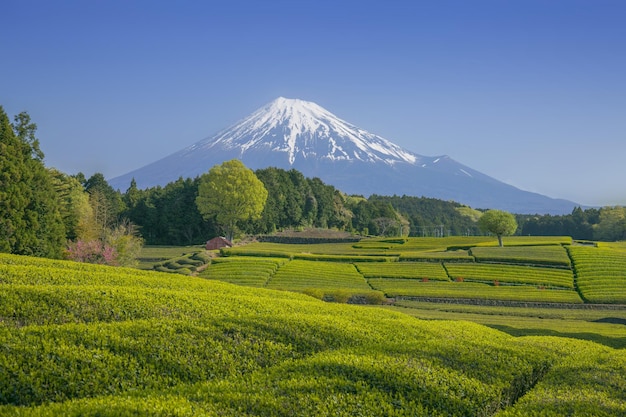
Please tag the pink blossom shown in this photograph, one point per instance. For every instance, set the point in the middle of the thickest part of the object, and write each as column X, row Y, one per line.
column 92, row 251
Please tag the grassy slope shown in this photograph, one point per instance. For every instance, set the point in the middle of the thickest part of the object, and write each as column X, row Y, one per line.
column 89, row 340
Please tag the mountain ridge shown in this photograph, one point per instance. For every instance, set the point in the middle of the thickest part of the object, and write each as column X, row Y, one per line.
column 301, row 135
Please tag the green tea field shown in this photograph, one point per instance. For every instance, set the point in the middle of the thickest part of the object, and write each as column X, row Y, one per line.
column 251, row 336
column 467, row 278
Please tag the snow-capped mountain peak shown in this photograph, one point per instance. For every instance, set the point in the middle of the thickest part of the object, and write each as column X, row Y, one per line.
column 297, row 134
column 303, row 129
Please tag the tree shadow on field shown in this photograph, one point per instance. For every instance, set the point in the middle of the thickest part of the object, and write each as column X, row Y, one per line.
column 613, row 342
column 612, row 320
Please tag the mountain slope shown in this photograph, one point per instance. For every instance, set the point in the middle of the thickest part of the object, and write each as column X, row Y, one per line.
column 291, row 133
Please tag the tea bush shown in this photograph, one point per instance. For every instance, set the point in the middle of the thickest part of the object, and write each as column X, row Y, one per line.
column 89, row 340
column 601, row 274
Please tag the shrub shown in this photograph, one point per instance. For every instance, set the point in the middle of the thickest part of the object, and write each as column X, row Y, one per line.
column 203, row 257
column 91, row 251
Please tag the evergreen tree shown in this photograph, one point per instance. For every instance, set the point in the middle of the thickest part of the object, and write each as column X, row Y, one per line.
column 168, row 215
column 30, row 221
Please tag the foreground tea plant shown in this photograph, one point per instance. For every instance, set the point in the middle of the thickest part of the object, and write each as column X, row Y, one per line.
column 80, row 340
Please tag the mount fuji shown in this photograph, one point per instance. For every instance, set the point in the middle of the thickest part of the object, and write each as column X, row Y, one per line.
column 301, row 135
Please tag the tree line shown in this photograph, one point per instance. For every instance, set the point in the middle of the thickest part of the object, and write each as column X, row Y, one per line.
column 169, row 215
column 47, row 213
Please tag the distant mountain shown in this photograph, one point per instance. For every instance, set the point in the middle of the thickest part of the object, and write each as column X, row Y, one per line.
column 291, row 133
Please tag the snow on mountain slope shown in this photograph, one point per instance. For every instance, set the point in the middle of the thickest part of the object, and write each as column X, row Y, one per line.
column 297, row 134
column 302, row 129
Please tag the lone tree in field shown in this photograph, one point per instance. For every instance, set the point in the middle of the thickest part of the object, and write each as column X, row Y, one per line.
column 231, row 193
column 498, row 222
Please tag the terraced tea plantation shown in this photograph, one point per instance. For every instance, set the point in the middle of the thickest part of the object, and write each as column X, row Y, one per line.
column 527, row 270
column 408, row 273
column 601, row 274
column 511, row 274
column 89, row 340
column 254, row 272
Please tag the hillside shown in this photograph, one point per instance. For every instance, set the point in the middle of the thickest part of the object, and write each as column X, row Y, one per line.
column 82, row 339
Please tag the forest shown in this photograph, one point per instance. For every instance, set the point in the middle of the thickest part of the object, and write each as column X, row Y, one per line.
column 47, row 213
column 168, row 215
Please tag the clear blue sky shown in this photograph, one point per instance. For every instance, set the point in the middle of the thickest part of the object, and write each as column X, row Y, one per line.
column 531, row 92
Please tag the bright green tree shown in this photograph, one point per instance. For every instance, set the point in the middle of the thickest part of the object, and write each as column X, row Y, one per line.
column 498, row 222
column 75, row 209
column 30, row 221
column 231, row 193
column 106, row 202
column 612, row 224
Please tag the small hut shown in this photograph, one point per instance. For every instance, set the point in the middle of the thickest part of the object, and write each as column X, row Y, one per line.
column 218, row 243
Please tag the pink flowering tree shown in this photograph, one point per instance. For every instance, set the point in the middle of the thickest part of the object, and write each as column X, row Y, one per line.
column 91, row 251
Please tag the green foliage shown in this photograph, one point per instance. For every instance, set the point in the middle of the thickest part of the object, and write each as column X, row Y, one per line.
column 249, row 271
column 454, row 255
column 80, row 339
column 472, row 291
column 498, row 222
column 231, row 193
column 572, row 387
column 248, row 251
column 536, row 255
column 296, row 201
column 124, row 238
column 342, row 258
column 601, row 325
column 466, row 211
column 186, row 265
column 579, row 224
column 30, row 220
column 429, row 216
column 409, row 270
column 168, row 215
column 298, row 275
column 601, row 274
column 287, row 195
column 533, row 269
column 107, row 203
column 513, row 274
column 74, row 206
column 612, row 224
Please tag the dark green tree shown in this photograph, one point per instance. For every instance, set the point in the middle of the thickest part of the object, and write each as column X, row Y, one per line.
column 168, row 215
column 285, row 200
column 30, row 221
column 324, row 197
